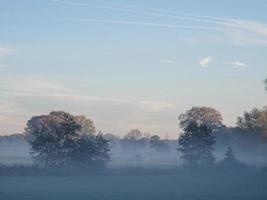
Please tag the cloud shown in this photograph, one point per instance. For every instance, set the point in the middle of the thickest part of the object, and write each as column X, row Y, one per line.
column 29, row 86
column 2, row 66
column 116, row 115
column 157, row 106
column 206, row 61
column 149, row 12
column 151, row 106
column 167, row 61
column 4, row 51
column 30, row 96
column 40, row 88
column 237, row 64
column 24, row 97
column 239, row 32
column 245, row 32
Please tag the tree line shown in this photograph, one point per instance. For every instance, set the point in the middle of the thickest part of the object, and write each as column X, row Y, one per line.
column 60, row 139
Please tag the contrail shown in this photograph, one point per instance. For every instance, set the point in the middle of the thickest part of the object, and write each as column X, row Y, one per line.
column 164, row 25
column 187, row 17
column 147, row 24
column 256, row 27
column 174, row 14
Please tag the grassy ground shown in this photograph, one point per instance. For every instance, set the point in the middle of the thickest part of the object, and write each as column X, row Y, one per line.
column 184, row 186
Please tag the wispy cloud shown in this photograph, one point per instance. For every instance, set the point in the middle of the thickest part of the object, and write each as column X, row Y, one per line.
column 237, row 64
column 4, row 50
column 244, row 32
column 2, row 66
column 32, row 86
column 167, row 61
column 25, row 97
column 42, row 88
column 148, row 11
column 125, row 22
column 206, row 61
column 241, row 32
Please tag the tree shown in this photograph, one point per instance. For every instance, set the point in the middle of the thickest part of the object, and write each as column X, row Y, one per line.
column 112, row 139
column 202, row 116
column 196, row 145
column 230, row 160
column 157, row 144
column 134, row 140
column 87, row 125
column 154, row 141
column 134, row 134
column 52, row 137
column 265, row 83
column 56, row 140
column 254, row 122
column 101, row 154
column 196, row 142
column 93, row 150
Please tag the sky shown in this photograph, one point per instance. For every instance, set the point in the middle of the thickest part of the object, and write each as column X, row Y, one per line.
column 131, row 64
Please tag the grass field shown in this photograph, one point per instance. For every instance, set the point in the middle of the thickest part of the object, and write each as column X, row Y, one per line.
column 142, row 186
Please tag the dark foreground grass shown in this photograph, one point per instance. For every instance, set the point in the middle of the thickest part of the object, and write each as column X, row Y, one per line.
column 137, row 184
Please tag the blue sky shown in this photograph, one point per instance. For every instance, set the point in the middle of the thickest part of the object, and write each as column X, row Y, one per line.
column 130, row 64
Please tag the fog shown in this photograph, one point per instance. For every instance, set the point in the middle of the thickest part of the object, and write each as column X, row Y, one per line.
column 15, row 150
column 136, row 170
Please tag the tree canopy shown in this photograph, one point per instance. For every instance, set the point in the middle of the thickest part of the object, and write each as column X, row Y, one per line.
column 157, row 144
column 87, row 125
column 202, row 116
column 56, row 140
column 134, row 134
column 254, row 122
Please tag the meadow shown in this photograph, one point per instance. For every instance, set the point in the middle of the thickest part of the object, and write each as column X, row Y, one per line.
column 184, row 185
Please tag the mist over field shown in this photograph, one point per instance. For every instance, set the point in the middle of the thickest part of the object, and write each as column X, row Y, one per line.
column 14, row 150
column 142, row 173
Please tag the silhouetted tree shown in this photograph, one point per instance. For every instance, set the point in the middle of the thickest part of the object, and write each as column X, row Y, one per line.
column 52, row 137
column 134, row 140
column 56, row 141
column 229, row 155
column 93, row 150
column 112, row 139
column 197, row 140
column 154, row 141
column 134, row 134
column 157, row 144
column 230, row 160
column 196, row 145
column 254, row 122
